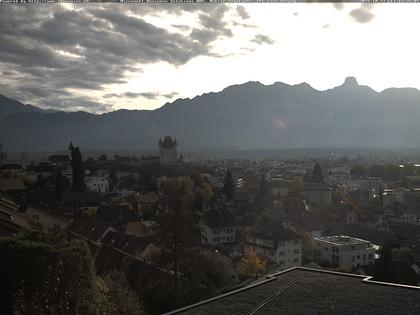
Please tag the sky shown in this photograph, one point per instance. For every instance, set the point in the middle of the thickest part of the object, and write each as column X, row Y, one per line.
column 104, row 57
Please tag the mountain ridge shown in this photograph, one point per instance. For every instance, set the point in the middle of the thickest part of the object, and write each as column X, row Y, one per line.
column 248, row 115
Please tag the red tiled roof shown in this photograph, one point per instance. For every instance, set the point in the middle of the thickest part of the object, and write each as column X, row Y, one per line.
column 7, row 184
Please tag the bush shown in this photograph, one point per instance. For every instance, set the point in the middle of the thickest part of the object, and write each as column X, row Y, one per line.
column 37, row 278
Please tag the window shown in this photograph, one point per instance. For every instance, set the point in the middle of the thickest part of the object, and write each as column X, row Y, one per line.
column 296, row 260
column 326, row 249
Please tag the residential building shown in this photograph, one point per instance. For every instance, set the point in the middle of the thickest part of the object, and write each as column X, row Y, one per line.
column 147, row 202
column 345, row 251
column 94, row 230
column 142, row 228
column 390, row 196
column 98, row 184
column 350, row 183
column 141, row 247
column 218, row 226
column 12, row 221
column 282, row 245
column 85, row 201
column 318, row 194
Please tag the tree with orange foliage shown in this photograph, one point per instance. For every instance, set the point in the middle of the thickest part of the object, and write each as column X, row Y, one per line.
column 251, row 265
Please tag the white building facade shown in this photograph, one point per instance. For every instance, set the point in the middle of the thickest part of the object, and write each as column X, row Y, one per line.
column 97, row 184
column 217, row 226
column 345, row 251
column 284, row 248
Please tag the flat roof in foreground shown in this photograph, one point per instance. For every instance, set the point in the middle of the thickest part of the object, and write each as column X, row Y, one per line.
column 309, row 291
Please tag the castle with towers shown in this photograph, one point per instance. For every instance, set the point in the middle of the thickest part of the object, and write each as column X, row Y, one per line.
column 168, row 150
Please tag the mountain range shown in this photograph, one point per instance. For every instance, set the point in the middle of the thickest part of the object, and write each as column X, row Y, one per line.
column 246, row 116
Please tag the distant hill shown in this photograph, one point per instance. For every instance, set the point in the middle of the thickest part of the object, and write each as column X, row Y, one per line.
column 246, row 116
column 9, row 107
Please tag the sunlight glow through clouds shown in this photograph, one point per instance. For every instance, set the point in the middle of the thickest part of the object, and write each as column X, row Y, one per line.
column 379, row 53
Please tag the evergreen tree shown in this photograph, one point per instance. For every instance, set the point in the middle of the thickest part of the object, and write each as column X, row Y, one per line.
column 317, row 176
column 113, row 180
column 381, row 196
column 358, row 170
column 229, row 187
column 263, row 190
column 377, row 170
column 60, row 185
column 179, row 233
column 383, row 270
column 78, row 169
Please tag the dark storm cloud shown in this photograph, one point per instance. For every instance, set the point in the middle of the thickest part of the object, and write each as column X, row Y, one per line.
column 147, row 95
column 362, row 14
column 77, row 103
column 212, row 26
column 92, row 46
column 263, row 39
column 170, row 95
column 242, row 12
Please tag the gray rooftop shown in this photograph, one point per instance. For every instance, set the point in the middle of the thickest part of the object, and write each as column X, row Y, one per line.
column 340, row 240
column 308, row 291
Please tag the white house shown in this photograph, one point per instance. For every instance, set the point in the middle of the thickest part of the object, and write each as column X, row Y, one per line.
column 218, row 226
column 98, row 184
column 345, row 251
column 281, row 245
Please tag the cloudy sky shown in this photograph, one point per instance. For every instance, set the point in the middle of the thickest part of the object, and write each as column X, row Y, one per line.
column 99, row 58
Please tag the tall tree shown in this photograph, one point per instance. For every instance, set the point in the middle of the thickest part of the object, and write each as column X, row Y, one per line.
column 229, row 186
column 317, row 176
column 383, row 270
column 358, row 170
column 178, row 231
column 377, row 170
column 251, row 264
column 113, row 180
column 392, row 172
column 295, row 185
column 263, row 190
column 78, row 169
column 60, row 185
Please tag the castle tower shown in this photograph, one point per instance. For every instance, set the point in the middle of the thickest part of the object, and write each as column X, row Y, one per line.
column 168, row 150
